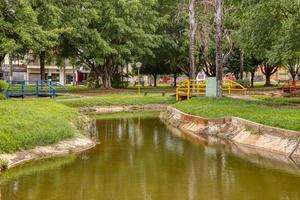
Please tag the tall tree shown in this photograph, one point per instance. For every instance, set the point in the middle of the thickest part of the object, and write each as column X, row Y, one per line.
column 219, row 45
column 49, row 19
column 113, row 34
column 18, row 28
column 192, row 35
column 265, row 31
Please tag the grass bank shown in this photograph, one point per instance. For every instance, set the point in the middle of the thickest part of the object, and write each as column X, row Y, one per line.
column 265, row 111
column 120, row 100
column 25, row 124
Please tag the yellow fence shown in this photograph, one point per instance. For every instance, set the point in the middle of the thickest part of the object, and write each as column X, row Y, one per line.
column 190, row 88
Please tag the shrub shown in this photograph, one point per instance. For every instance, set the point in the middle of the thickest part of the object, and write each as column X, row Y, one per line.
column 245, row 83
column 3, row 86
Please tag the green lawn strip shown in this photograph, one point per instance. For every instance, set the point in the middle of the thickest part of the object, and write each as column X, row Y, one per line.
column 121, row 100
column 263, row 112
column 279, row 100
column 25, row 124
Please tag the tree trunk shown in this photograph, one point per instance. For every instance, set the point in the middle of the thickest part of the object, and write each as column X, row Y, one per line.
column 293, row 70
column 106, row 78
column 155, row 80
column 64, row 72
column 268, row 80
column 175, row 80
column 219, row 45
column 268, row 71
column 252, row 78
column 11, row 70
column 192, row 34
column 74, row 75
column 42, row 65
column 2, row 56
column 242, row 65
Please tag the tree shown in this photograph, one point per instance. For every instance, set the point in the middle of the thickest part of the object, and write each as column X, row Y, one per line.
column 113, row 33
column 192, row 35
column 156, row 69
column 18, row 28
column 234, row 63
column 251, row 64
column 49, row 19
column 219, row 45
column 266, row 30
column 173, row 49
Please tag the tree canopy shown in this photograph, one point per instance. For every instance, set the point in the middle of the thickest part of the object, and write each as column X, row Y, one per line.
column 108, row 34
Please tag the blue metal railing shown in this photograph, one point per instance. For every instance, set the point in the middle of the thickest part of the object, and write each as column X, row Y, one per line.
column 34, row 88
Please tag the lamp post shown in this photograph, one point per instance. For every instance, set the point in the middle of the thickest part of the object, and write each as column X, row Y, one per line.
column 138, row 66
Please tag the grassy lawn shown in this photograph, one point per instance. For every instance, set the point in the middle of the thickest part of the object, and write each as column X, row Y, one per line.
column 264, row 112
column 120, row 100
column 131, row 90
column 25, row 124
column 279, row 100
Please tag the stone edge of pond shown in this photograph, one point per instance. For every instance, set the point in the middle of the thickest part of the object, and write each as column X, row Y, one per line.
column 128, row 108
column 239, row 131
column 78, row 144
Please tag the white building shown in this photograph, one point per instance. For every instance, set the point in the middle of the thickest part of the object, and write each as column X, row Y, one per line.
column 22, row 69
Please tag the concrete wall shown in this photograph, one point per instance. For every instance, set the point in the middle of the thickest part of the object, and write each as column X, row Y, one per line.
column 238, row 131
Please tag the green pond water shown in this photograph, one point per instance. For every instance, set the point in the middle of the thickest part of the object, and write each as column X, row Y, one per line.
column 140, row 158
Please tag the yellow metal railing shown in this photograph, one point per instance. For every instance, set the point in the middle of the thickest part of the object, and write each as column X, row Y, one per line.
column 191, row 88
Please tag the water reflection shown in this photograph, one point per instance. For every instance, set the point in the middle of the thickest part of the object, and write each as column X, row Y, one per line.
column 141, row 158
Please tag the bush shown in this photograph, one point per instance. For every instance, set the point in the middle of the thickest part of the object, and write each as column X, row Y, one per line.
column 245, row 83
column 3, row 86
column 92, row 83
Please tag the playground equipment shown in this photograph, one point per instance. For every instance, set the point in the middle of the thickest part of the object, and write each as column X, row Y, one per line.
column 34, row 88
column 191, row 88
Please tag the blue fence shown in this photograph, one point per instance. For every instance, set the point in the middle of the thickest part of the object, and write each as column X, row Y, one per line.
column 34, row 88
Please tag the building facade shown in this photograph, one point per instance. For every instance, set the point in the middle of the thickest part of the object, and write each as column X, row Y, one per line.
column 29, row 70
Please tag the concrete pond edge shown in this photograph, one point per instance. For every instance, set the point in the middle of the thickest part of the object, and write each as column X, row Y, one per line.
column 275, row 141
column 129, row 108
column 78, row 144
column 238, row 131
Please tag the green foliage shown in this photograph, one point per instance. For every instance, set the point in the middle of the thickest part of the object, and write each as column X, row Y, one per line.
column 92, row 83
column 18, row 26
column 267, row 29
column 245, row 83
column 25, row 124
column 264, row 112
column 3, row 85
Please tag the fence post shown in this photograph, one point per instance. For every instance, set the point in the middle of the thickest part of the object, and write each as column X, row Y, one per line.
column 22, row 88
column 37, row 88
column 229, row 88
